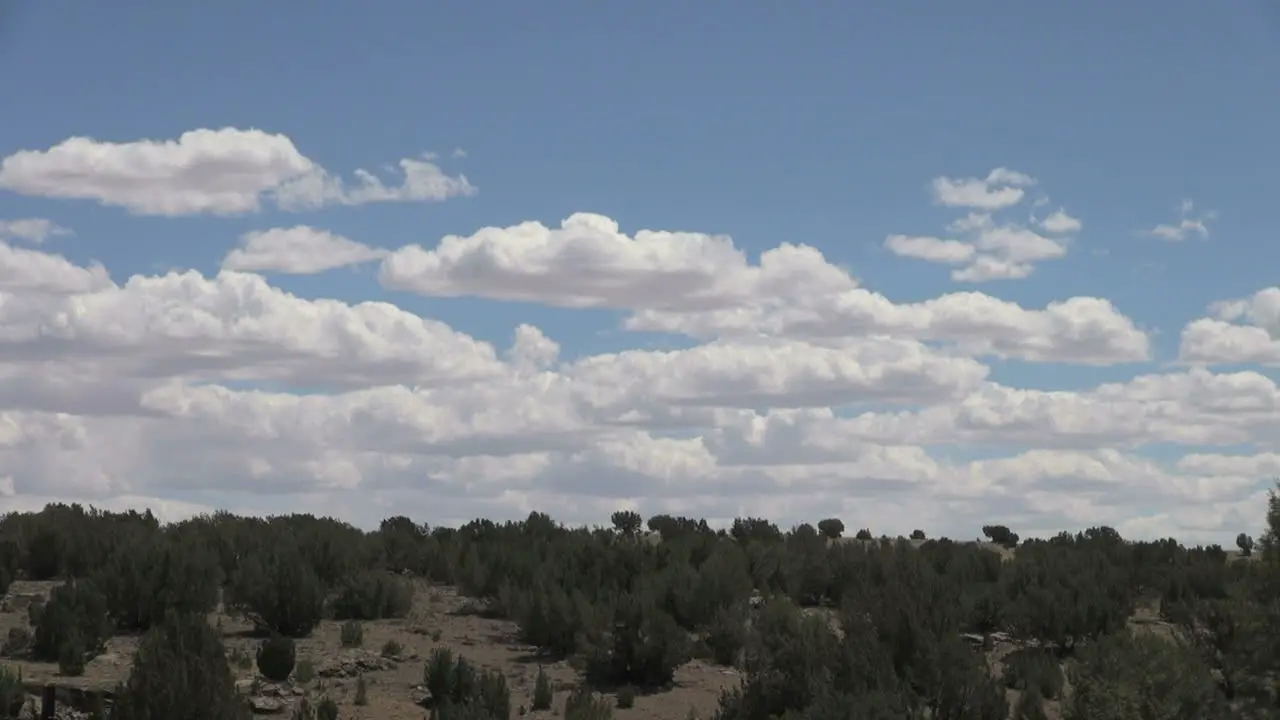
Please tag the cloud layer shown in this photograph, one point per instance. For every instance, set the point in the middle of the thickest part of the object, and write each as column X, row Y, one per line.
column 800, row 393
column 223, row 172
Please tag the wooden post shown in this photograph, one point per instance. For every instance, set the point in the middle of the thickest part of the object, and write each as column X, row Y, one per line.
column 48, row 703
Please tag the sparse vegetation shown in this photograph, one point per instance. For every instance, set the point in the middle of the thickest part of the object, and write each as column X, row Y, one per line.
column 542, row 693
column 352, row 634
column 1084, row 625
column 276, row 658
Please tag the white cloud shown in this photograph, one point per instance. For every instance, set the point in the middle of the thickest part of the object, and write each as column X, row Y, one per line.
column 1241, row 331
column 32, row 230
column 1000, row 189
column 801, row 394
column 588, row 262
column 1058, row 222
column 226, row 171
column 931, row 249
column 992, row 249
column 1187, row 225
column 298, row 250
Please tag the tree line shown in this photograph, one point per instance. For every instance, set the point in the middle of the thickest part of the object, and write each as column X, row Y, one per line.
column 820, row 627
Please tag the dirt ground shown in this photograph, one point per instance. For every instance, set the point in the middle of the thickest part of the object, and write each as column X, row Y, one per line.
column 438, row 619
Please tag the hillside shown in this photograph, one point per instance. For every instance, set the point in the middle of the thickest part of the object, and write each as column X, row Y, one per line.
column 227, row 617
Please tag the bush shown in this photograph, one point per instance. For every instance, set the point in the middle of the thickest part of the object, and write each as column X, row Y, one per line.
column 76, row 608
column 278, row 589
column 352, row 634
column 1030, row 706
column 458, row 690
column 863, row 534
column 917, row 534
column 71, row 655
column 725, row 636
column 583, row 704
column 1140, row 675
column 17, row 642
column 362, row 691
column 12, row 694
column 626, row 697
column 1034, row 669
column 180, row 665
column 304, row 671
column 325, row 709
column 155, row 572
column 392, row 649
column 276, row 658
column 372, row 596
column 644, row 646
column 542, row 693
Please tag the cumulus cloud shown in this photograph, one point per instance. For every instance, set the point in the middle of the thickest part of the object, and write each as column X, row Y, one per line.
column 588, row 262
column 32, row 230
column 1189, row 224
column 225, row 171
column 1243, row 330
column 795, row 393
column 1058, row 222
column 992, row 249
column 1002, row 188
column 298, row 250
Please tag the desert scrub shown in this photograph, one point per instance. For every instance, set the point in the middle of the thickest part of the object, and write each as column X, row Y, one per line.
column 305, row 671
column 626, row 697
column 542, row 693
column 276, row 658
column 352, row 634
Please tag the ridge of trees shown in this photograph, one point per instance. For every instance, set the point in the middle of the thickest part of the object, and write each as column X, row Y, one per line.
column 818, row 627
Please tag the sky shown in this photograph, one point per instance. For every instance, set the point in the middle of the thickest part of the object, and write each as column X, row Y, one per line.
column 910, row 264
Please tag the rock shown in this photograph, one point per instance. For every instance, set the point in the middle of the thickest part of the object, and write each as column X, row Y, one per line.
column 355, row 662
column 266, row 705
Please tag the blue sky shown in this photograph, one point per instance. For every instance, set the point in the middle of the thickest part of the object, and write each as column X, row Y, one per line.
column 822, row 125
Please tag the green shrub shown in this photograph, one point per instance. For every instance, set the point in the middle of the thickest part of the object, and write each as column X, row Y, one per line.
column 626, row 697
column 180, row 664
column 1034, row 668
column 153, row 572
column 372, row 596
column 76, row 608
column 17, row 642
column 726, row 635
column 12, row 694
column 583, row 704
column 392, row 649
column 34, row 612
column 542, row 693
column 362, row 691
column 276, row 658
column 278, row 589
column 71, row 655
column 326, row 709
column 304, row 671
column 459, row 690
column 352, row 634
